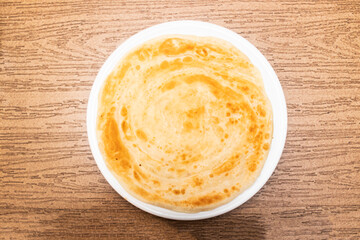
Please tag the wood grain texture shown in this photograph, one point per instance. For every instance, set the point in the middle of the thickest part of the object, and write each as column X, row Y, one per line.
column 50, row 53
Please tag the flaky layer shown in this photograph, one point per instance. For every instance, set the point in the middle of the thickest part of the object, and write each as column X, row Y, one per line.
column 184, row 122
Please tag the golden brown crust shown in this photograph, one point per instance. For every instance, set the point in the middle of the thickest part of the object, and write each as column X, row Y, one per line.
column 184, row 122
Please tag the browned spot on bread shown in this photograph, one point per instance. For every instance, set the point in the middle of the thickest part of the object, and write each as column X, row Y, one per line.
column 254, row 158
column 114, row 148
column 259, row 137
column 187, row 59
column 261, row 111
column 188, row 126
column 136, row 175
column 215, row 120
column 226, row 166
column 233, row 107
column 244, row 106
column 253, row 128
column 245, row 89
column 170, row 85
column 140, row 173
column 179, row 171
column 252, row 167
column 195, row 113
column 108, row 89
column 202, row 52
column 124, row 126
column 266, row 146
column 123, row 111
column 164, row 64
column 141, row 192
column 197, row 182
column 207, row 199
column 140, row 134
column 122, row 71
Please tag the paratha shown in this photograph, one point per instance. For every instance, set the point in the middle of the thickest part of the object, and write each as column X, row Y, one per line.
column 184, row 122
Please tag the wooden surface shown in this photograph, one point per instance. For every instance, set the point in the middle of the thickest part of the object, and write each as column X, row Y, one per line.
column 50, row 53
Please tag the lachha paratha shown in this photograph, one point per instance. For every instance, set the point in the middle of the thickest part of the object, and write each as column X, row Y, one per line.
column 184, row 122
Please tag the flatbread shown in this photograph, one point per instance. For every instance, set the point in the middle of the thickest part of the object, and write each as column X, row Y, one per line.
column 184, row 122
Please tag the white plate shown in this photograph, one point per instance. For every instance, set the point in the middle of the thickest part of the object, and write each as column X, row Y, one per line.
column 272, row 87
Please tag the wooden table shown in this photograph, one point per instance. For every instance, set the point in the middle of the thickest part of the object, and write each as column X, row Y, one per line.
column 50, row 53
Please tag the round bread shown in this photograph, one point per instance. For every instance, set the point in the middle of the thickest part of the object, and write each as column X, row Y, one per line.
column 184, row 122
